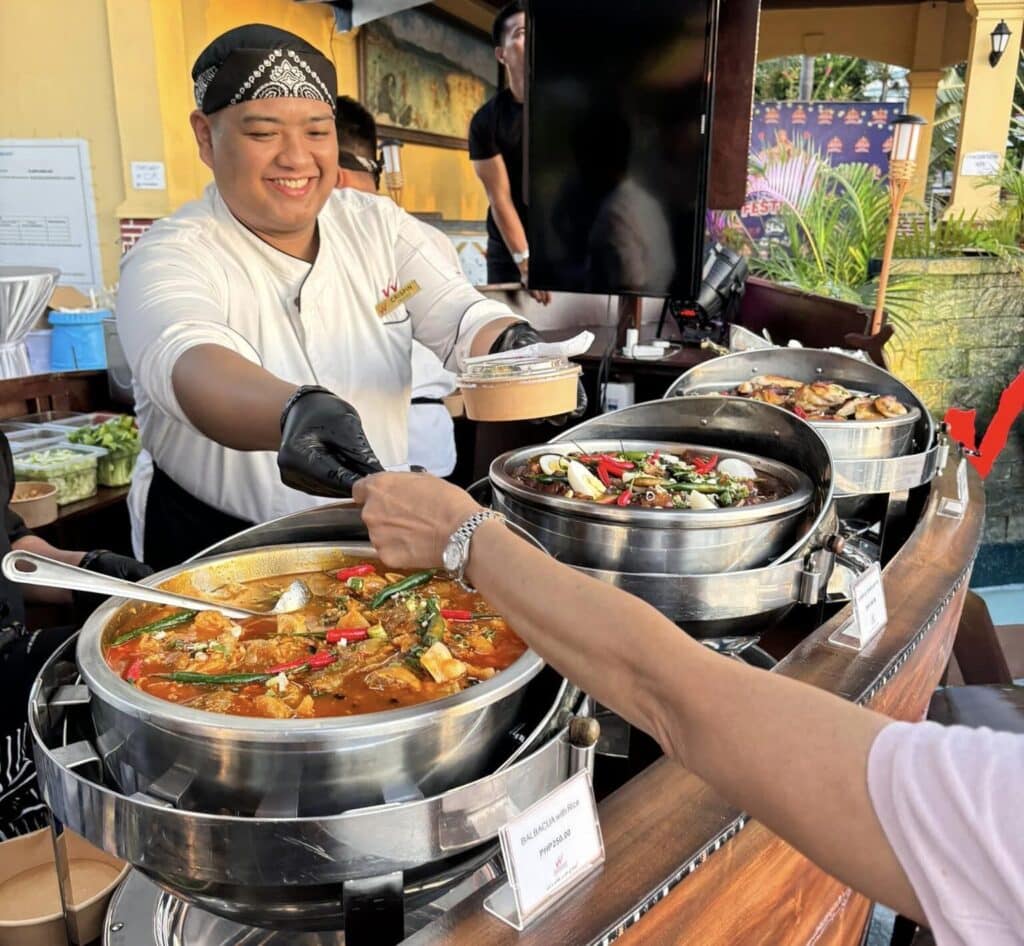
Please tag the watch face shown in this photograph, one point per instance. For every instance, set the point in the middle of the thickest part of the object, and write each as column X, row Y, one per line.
column 452, row 555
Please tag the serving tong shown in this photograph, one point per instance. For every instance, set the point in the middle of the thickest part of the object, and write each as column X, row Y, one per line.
column 30, row 568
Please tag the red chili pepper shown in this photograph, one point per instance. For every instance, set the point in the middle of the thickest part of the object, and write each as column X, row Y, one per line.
column 134, row 670
column 318, row 661
column 705, row 465
column 625, row 496
column 355, row 571
column 602, row 473
column 614, row 463
column 291, row 665
column 351, row 635
column 454, row 614
column 799, row 411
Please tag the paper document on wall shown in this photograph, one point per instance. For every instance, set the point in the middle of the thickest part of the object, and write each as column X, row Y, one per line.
column 47, row 209
column 980, row 164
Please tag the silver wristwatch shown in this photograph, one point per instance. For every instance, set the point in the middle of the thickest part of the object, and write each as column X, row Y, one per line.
column 520, row 258
column 456, row 552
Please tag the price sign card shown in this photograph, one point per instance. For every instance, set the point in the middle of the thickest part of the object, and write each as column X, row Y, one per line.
column 955, row 508
column 548, row 849
column 870, row 614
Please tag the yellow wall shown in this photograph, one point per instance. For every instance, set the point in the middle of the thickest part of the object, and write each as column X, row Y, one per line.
column 55, row 72
column 116, row 73
column 438, row 180
column 882, row 33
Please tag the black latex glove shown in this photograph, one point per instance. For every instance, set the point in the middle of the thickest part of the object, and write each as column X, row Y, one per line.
column 522, row 334
column 116, row 566
column 324, row 450
column 105, row 563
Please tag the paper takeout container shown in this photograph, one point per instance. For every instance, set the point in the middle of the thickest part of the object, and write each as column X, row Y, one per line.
column 30, row 913
column 36, row 503
column 511, row 389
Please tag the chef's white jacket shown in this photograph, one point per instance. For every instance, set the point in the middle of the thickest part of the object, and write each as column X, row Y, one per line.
column 200, row 277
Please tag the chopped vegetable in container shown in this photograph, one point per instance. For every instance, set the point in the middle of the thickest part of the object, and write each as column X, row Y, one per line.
column 71, row 468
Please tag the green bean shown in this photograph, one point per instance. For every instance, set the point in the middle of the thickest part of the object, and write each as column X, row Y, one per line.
column 406, row 584
column 164, row 624
column 214, row 679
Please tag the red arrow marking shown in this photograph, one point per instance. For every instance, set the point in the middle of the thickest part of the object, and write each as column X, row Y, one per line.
column 961, row 426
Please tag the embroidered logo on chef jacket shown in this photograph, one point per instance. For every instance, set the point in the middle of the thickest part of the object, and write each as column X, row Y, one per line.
column 394, row 297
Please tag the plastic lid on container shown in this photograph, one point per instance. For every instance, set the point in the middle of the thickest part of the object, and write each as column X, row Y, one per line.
column 509, row 368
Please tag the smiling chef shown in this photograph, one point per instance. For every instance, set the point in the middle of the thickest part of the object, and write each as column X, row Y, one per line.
column 269, row 324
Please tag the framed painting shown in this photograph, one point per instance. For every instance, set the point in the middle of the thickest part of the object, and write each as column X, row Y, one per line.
column 423, row 77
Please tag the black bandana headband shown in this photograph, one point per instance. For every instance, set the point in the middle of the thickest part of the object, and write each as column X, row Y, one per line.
column 261, row 62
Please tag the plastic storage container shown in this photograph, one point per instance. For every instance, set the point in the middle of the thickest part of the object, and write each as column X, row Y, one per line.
column 34, row 438
column 9, row 426
column 62, row 418
column 119, row 436
column 77, row 343
column 116, row 468
column 72, row 468
column 518, row 389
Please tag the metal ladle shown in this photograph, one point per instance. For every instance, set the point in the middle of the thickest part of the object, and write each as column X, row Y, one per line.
column 48, row 573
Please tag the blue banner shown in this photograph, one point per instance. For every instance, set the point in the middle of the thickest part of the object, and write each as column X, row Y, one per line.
column 842, row 132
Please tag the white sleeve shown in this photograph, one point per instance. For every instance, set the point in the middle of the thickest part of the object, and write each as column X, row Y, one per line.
column 167, row 303
column 949, row 799
column 447, row 312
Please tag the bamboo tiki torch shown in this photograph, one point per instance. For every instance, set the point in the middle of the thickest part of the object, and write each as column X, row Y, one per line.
column 906, row 133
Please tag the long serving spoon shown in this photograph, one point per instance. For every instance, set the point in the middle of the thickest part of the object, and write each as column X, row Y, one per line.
column 28, row 568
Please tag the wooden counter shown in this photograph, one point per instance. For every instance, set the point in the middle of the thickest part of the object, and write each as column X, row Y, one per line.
column 683, row 866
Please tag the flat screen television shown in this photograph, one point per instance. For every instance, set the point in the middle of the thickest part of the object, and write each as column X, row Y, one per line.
column 617, row 142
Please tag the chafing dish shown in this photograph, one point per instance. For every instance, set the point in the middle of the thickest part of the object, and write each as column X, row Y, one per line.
column 715, row 603
column 877, row 456
column 212, row 761
column 683, row 541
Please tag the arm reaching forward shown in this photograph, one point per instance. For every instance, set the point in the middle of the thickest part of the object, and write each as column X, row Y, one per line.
column 793, row 756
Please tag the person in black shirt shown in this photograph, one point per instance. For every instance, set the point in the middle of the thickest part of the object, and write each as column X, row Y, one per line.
column 496, row 150
column 23, row 653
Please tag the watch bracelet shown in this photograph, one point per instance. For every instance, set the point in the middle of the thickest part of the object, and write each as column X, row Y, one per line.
column 465, row 534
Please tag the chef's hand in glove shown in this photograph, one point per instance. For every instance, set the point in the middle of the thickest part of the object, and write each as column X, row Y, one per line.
column 324, row 450
column 522, row 334
column 116, row 566
column 104, row 562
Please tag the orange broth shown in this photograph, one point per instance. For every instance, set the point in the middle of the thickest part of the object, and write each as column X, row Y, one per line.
column 426, row 643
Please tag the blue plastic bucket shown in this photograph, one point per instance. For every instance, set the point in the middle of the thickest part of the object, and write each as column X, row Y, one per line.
column 77, row 343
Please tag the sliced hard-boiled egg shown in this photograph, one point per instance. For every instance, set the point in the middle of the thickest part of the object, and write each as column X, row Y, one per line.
column 552, row 463
column 737, row 469
column 697, row 500
column 583, row 481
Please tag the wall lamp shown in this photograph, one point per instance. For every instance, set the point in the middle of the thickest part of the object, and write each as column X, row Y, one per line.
column 1000, row 37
